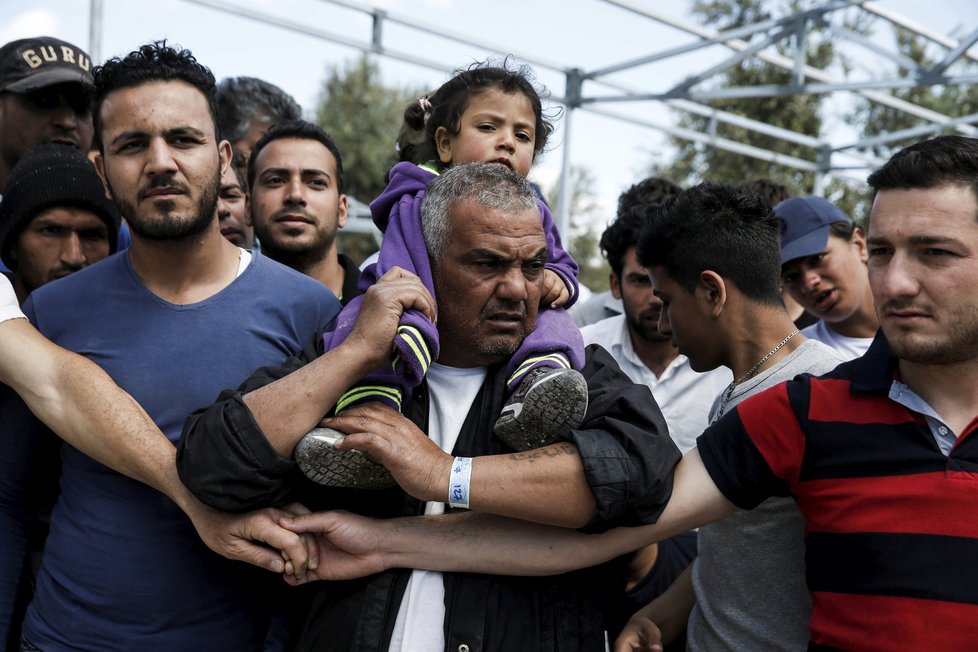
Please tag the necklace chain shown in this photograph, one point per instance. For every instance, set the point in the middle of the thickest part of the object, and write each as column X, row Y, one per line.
column 727, row 393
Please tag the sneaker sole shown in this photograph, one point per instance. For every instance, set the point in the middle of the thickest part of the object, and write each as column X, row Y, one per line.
column 319, row 460
column 554, row 405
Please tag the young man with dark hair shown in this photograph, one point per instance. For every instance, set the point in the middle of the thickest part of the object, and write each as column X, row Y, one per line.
column 649, row 358
column 297, row 204
column 123, row 566
column 823, row 268
column 633, row 338
column 234, row 206
column 55, row 218
column 641, row 198
column 880, row 454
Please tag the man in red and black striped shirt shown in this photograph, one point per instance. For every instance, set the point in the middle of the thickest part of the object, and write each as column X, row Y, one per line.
column 880, row 454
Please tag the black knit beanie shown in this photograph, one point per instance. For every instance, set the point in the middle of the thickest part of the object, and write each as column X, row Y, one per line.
column 50, row 176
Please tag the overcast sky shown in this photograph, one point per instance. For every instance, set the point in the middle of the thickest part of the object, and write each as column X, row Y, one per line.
column 586, row 34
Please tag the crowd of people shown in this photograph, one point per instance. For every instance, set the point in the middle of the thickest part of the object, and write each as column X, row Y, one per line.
column 218, row 432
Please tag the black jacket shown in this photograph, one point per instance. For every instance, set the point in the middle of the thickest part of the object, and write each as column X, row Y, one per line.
column 628, row 459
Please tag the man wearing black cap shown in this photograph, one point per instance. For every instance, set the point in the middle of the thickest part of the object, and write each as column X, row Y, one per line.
column 45, row 97
column 55, row 217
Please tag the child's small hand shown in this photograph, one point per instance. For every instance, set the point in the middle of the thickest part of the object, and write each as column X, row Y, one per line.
column 555, row 293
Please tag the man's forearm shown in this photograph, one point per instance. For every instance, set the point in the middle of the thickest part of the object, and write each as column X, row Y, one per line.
column 485, row 543
column 545, row 485
column 292, row 406
column 81, row 403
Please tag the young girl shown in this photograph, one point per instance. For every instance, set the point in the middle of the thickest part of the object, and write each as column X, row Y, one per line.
column 483, row 114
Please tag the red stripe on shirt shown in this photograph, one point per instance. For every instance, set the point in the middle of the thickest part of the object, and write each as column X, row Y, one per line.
column 774, row 429
column 831, row 400
column 876, row 623
column 925, row 503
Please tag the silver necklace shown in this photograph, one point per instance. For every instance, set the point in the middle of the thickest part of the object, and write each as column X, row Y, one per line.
column 727, row 393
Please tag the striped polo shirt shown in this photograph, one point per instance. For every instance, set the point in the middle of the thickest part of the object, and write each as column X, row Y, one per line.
column 892, row 522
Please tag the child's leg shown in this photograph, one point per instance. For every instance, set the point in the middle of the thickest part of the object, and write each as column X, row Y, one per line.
column 549, row 395
column 555, row 343
column 414, row 348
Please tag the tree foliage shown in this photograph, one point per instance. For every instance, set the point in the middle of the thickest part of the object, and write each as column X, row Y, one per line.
column 363, row 116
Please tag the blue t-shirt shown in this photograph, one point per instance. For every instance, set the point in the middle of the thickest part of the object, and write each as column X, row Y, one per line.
column 123, row 567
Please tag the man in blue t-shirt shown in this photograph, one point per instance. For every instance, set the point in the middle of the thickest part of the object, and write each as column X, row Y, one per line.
column 123, row 567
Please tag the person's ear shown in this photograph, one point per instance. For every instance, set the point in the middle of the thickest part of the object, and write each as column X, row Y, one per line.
column 615, row 284
column 99, row 162
column 712, row 292
column 858, row 240
column 443, row 141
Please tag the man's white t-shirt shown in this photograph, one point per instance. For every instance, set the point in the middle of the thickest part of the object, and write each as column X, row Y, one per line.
column 420, row 620
column 9, row 308
column 849, row 348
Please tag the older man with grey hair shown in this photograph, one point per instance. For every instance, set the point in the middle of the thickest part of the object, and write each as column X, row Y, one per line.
column 483, row 231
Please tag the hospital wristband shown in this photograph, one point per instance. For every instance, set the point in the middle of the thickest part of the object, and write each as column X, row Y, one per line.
column 458, row 482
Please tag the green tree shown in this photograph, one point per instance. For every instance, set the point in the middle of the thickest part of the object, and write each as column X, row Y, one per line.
column 363, row 116
column 586, row 226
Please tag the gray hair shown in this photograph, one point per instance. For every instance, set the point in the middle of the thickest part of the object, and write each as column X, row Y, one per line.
column 490, row 185
column 243, row 99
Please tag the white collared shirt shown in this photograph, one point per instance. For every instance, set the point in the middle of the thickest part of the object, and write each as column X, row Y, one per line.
column 684, row 396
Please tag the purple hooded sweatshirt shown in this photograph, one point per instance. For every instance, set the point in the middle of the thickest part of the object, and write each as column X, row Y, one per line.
column 555, row 342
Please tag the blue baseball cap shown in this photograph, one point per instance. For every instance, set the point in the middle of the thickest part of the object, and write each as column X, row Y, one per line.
column 805, row 224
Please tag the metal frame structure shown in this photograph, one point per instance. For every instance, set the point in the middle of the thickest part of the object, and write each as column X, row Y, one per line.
column 789, row 32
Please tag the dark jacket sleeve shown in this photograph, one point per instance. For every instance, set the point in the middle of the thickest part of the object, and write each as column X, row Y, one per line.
column 225, row 459
column 628, row 455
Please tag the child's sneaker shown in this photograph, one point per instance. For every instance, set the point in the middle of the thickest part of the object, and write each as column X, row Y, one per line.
column 318, row 458
column 546, row 403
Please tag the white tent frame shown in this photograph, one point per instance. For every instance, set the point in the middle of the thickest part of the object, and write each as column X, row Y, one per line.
column 789, row 32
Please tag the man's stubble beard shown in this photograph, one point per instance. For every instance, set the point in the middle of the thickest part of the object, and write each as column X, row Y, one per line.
column 163, row 227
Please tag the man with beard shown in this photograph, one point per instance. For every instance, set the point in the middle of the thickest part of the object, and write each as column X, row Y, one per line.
column 297, row 204
column 483, row 233
column 55, row 218
column 633, row 338
column 646, row 195
column 650, row 358
column 123, row 568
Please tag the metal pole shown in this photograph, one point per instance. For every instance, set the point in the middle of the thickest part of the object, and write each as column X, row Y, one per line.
column 574, row 82
column 563, row 196
column 95, row 32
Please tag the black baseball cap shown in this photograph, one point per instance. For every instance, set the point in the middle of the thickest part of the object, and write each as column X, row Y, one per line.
column 30, row 64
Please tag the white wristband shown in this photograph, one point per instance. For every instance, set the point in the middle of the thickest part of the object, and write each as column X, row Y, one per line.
column 458, row 482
